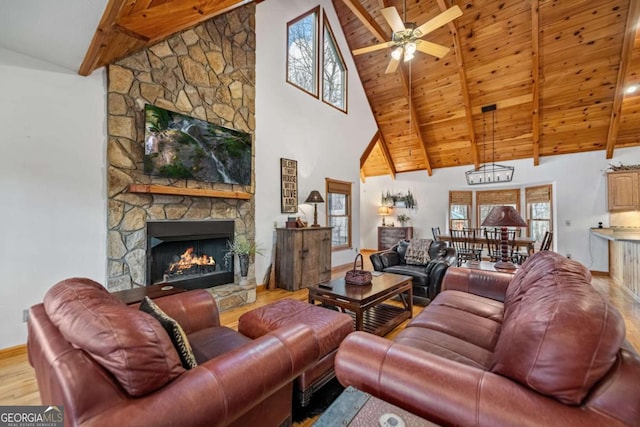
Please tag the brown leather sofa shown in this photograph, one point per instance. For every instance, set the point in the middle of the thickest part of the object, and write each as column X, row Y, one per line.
column 110, row 364
column 540, row 348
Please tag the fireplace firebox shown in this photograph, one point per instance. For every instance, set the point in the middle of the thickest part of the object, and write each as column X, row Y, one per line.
column 189, row 254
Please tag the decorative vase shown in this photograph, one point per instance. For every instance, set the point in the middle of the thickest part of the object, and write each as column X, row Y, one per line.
column 244, row 268
column 244, row 264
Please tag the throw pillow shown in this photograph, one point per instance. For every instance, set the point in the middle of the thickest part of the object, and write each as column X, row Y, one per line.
column 418, row 252
column 175, row 331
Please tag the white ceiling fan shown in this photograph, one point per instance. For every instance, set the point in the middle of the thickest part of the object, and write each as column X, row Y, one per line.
column 406, row 37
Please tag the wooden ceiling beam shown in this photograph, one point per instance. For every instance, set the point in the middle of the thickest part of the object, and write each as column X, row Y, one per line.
column 535, row 80
column 377, row 139
column 168, row 18
column 363, row 16
column 625, row 60
column 462, row 73
column 367, row 151
column 387, row 156
column 413, row 116
column 370, row 24
column 127, row 26
column 99, row 41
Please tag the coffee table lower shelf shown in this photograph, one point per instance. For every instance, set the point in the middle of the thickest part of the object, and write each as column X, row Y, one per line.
column 381, row 319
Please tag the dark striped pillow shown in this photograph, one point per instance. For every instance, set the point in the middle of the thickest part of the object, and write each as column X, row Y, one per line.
column 175, row 331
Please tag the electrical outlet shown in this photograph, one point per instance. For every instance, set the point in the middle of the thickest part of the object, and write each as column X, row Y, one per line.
column 25, row 315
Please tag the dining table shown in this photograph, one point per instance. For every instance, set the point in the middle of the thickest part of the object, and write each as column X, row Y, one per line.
column 521, row 242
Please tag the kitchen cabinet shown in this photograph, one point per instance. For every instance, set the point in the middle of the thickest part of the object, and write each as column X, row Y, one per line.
column 623, row 189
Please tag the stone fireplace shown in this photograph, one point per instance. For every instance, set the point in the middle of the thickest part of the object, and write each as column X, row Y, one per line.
column 206, row 72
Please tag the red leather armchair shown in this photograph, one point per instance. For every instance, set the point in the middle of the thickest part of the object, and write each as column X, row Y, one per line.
column 130, row 378
column 541, row 348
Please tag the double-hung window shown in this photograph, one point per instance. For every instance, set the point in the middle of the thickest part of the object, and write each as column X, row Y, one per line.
column 487, row 200
column 539, row 217
column 339, row 212
column 460, row 209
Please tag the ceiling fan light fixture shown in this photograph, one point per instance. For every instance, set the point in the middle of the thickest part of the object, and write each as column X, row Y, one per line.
column 410, row 48
column 408, row 56
column 397, row 53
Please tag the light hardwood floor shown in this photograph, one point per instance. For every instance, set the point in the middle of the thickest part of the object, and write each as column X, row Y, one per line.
column 18, row 385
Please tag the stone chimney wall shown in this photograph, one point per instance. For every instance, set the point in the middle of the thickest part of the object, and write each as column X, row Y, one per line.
column 207, row 72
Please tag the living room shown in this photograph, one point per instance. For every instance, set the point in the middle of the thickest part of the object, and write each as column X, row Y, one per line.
column 55, row 177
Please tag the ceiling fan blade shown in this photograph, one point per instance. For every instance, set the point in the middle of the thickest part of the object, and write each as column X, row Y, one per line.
column 393, row 65
column 393, row 18
column 372, row 48
column 437, row 22
column 431, row 48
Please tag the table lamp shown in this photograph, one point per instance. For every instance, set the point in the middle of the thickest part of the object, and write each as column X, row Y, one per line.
column 384, row 211
column 315, row 198
column 503, row 217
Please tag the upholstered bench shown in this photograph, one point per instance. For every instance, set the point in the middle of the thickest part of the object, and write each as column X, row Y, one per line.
column 330, row 327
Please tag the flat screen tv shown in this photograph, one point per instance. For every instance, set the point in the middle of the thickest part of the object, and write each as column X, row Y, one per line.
column 179, row 146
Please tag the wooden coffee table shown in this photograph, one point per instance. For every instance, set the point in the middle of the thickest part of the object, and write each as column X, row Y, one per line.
column 365, row 303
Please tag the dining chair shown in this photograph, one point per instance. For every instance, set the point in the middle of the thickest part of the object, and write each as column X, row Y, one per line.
column 464, row 242
column 476, row 236
column 493, row 243
column 546, row 241
column 436, row 233
column 521, row 257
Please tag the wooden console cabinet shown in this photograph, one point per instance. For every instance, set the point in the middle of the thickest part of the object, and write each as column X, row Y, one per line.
column 389, row 236
column 624, row 190
column 303, row 257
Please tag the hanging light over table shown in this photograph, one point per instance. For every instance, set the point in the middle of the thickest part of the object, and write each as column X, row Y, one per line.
column 489, row 173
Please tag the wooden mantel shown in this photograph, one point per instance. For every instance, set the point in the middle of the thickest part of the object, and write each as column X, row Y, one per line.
column 181, row 191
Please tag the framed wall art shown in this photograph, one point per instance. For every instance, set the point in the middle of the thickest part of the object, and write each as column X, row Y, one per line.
column 288, row 186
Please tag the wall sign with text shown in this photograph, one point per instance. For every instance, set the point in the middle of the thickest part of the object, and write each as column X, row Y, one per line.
column 289, row 186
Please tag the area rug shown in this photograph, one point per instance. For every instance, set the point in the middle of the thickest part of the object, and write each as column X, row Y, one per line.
column 319, row 402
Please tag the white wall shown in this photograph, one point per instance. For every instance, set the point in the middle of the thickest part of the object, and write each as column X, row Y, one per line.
column 52, row 183
column 294, row 125
column 580, row 198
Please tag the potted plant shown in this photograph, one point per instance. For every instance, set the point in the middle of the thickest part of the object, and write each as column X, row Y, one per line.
column 244, row 249
column 409, row 200
column 403, row 218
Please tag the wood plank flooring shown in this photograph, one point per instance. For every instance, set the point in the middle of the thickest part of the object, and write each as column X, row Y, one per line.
column 18, row 385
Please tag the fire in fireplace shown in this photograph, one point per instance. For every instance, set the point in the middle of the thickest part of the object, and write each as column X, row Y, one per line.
column 185, row 253
column 190, row 264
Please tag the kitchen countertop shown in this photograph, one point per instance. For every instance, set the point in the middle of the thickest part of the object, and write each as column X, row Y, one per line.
column 618, row 234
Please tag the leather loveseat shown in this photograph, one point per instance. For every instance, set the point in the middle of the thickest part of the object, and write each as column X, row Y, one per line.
column 426, row 277
column 110, row 364
column 538, row 348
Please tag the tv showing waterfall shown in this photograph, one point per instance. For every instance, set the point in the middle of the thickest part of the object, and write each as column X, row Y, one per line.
column 179, row 146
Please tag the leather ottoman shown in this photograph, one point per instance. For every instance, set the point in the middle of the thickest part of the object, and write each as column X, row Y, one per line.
column 330, row 327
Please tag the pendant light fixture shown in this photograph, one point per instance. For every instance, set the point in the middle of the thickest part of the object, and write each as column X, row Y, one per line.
column 489, row 174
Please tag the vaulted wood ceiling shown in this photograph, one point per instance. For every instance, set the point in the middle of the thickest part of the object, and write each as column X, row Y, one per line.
column 556, row 69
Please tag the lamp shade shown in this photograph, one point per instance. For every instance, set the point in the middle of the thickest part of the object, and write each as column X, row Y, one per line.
column 383, row 210
column 314, row 197
column 504, row 216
